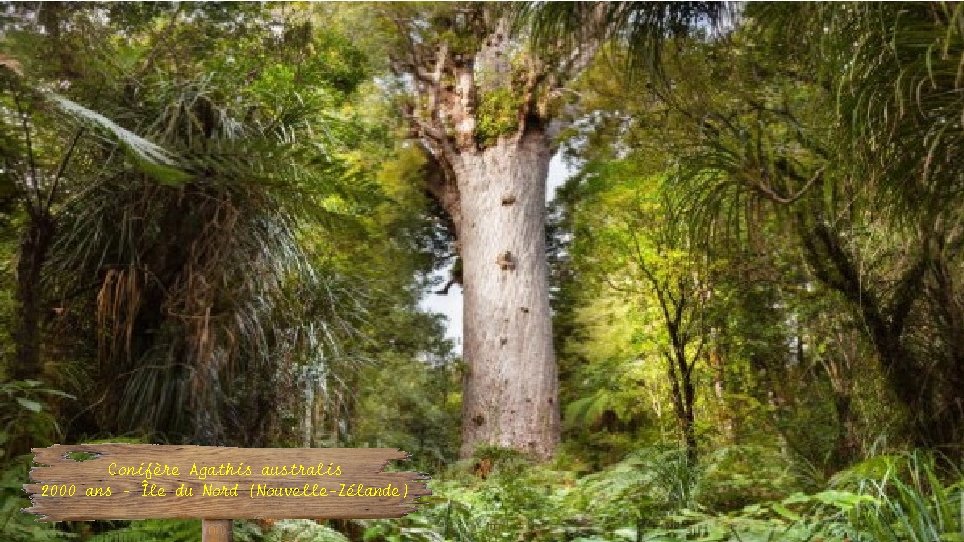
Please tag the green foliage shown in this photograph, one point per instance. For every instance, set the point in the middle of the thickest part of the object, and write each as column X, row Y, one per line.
column 911, row 502
column 244, row 150
column 16, row 526
column 147, row 156
column 241, row 237
column 656, row 495
column 302, row 530
column 25, row 413
column 497, row 115
column 643, row 28
column 410, row 403
column 25, row 416
column 738, row 476
column 638, row 490
column 460, row 42
column 807, row 241
column 155, row 530
column 516, row 499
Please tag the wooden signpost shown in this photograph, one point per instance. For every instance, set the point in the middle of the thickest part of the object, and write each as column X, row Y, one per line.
column 218, row 484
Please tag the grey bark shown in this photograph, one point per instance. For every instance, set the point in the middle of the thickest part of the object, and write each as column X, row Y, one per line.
column 510, row 395
column 494, row 195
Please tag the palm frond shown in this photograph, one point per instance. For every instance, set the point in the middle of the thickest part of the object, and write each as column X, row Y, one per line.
column 139, row 145
column 207, row 298
column 153, row 159
column 642, row 28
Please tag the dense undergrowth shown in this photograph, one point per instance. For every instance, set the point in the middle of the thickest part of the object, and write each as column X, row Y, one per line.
column 653, row 495
column 738, row 494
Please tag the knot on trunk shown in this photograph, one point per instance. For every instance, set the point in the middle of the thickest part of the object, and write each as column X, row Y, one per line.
column 505, row 261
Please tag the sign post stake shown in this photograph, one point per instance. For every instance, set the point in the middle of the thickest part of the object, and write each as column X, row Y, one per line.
column 216, row 530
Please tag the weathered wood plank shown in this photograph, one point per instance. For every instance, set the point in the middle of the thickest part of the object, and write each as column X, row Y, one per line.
column 124, row 481
column 55, row 465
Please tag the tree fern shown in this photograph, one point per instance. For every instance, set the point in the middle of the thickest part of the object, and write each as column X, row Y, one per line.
column 303, row 530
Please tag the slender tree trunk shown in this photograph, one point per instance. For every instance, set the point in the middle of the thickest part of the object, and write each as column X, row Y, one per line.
column 27, row 362
column 716, row 360
column 847, row 445
column 33, row 253
column 510, row 393
column 839, row 372
column 684, row 397
column 689, row 419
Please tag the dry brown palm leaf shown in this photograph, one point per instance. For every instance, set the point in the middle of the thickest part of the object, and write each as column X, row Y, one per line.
column 11, row 64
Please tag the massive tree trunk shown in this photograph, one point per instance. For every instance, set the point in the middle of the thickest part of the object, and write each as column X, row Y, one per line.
column 480, row 112
column 510, row 394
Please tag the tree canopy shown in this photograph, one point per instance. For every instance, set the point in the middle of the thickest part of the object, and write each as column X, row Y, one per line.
column 739, row 317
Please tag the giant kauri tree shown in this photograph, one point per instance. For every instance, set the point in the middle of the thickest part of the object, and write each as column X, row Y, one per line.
column 479, row 107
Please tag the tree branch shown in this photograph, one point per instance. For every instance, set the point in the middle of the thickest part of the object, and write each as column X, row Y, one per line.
column 63, row 166
column 33, row 181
